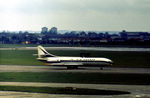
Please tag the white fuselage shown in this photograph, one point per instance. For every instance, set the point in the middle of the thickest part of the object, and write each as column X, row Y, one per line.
column 75, row 61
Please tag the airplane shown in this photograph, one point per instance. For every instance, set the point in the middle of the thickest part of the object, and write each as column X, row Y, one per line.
column 71, row 62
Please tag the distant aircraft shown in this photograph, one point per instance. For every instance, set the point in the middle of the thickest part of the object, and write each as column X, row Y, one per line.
column 71, row 62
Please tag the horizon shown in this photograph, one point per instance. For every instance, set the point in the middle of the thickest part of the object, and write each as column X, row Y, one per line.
column 77, row 30
column 64, row 31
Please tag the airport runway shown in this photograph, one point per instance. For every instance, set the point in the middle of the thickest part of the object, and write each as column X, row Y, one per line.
column 44, row 68
column 83, row 48
column 137, row 91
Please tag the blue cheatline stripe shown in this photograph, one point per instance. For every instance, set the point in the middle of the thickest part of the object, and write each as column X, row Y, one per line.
column 63, row 61
column 85, row 61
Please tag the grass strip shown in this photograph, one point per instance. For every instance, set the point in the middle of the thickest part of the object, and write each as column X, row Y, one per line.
column 121, row 59
column 68, row 77
column 60, row 90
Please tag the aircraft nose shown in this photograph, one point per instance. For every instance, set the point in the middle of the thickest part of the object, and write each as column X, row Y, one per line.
column 111, row 62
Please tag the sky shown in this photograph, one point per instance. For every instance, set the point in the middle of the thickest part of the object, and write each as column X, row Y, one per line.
column 88, row 15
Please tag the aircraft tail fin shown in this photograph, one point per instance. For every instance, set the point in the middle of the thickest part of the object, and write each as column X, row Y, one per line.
column 43, row 53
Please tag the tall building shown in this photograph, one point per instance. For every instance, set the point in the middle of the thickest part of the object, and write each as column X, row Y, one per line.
column 53, row 30
column 44, row 30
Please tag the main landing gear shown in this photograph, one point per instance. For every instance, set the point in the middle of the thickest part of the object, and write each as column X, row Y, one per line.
column 101, row 68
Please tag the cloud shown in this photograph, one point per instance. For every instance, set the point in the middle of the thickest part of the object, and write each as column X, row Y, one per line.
column 84, row 6
column 78, row 14
column 75, row 6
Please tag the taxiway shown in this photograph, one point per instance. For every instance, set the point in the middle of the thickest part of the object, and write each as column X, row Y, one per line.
column 21, row 68
column 137, row 91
